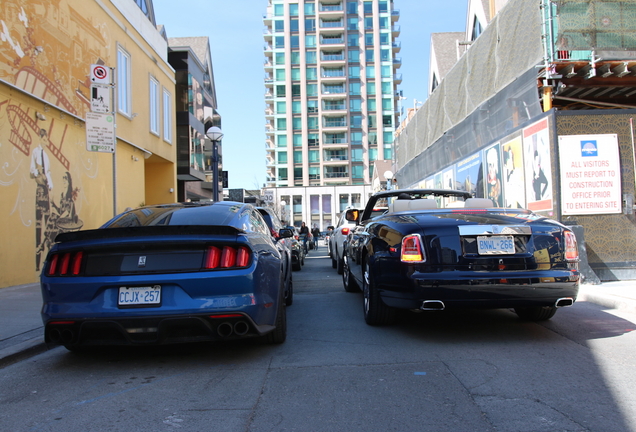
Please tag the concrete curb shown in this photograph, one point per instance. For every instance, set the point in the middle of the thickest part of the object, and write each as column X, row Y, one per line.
column 608, row 301
column 21, row 351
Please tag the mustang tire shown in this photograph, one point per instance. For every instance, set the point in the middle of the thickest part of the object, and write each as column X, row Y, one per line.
column 279, row 334
column 289, row 299
column 375, row 311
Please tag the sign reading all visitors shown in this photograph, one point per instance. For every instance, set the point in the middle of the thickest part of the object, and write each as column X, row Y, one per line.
column 590, row 174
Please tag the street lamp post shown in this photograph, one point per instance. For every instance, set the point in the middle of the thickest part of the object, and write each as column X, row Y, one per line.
column 388, row 175
column 215, row 134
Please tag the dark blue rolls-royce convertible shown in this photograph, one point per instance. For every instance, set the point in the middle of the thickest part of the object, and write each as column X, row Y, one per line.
column 443, row 249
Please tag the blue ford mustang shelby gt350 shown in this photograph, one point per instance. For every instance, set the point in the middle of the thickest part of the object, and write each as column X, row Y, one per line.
column 444, row 249
column 166, row 274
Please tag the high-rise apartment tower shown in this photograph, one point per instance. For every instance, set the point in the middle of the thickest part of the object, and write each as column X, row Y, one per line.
column 331, row 100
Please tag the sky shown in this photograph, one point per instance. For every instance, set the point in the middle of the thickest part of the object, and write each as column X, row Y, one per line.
column 235, row 29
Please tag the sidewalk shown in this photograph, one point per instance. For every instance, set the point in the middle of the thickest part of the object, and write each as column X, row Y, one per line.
column 21, row 329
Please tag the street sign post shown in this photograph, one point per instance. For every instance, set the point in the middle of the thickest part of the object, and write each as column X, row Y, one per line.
column 100, row 121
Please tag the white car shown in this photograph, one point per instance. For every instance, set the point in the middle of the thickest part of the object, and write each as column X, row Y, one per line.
column 336, row 240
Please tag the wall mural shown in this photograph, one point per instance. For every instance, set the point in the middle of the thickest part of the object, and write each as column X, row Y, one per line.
column 499, row 172
column 45, row 50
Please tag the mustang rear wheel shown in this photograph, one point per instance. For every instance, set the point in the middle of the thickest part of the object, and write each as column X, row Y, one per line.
column 375, row 311
column 289, row 298
column 349, row 283
column 537, row 313
column 279, row 334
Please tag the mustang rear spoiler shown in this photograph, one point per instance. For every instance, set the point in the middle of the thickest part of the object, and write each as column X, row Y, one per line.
column 155, row 230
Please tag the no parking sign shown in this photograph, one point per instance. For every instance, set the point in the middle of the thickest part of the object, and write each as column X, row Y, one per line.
column 100, row 74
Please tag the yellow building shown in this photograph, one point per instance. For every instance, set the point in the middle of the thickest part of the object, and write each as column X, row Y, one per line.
column 49, row 181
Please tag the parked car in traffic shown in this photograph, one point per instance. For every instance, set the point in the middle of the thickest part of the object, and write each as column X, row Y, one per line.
column 298, row 251
column 336, row 241
column 444, row 249
column 285, row 246
column 167, row 274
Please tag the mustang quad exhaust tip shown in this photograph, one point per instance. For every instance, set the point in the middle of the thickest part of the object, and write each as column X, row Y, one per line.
column 564, row 302
column 224, row 329
column 241, row 328
column 432, row 305
column 55, row 336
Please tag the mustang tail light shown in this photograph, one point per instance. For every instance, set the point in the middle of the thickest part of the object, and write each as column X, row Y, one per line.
column 226, row 257
column 65, row 264
column 412, row 250
column 571, row 250
column 345, row 231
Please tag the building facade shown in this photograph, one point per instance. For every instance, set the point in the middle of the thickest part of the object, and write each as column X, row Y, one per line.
column 196, row 110
column 319, row 206
column 331, row 90
column 51, row 182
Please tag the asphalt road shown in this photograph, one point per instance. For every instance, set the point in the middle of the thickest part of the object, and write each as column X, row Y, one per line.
column 470, row 371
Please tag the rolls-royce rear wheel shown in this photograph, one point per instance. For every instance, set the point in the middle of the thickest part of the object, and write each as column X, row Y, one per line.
column 348, row 281
column 376, row 312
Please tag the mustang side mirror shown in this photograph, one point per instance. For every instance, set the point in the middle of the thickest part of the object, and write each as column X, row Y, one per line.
column 352, row 215
column 285, row 233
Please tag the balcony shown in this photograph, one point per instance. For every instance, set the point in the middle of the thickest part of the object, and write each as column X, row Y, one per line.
column 397, row 78
column 336, row 175
column 333, row 75
column 395, row 15
column 395, row 30
column 336, row 122
column 267, row 34
column 331, row 10
column 269, row 96
column 336, row 161
column 397, row 46
column 337, row 41
column 269, row 50
column 269, row 114
column 397, row 62
column 331, row 27
column 269, row 66
column 269, row 82
column 330, row 91
column 333, row 59
column 334, row 144
column 331, row 7
column 334, row 107
column 267, row 18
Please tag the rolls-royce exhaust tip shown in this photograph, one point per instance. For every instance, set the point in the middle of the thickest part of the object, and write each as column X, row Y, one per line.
column 564, row 302
column 432, row 305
